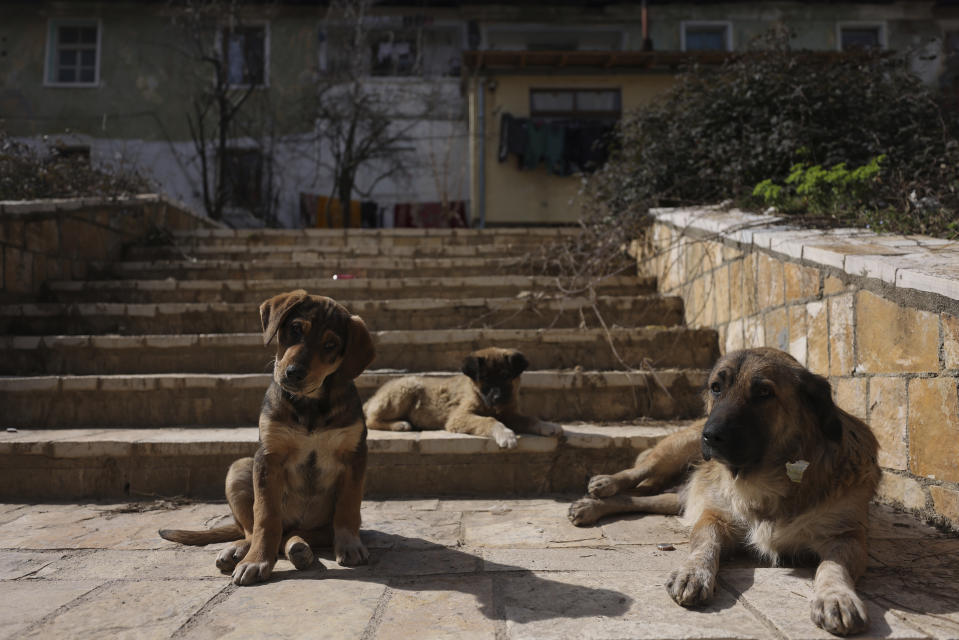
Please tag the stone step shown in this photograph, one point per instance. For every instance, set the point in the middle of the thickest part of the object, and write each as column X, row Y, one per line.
column 323, row 268
column 318, row 250
column 63, row 464
column 171, row 290
column 379, row 315
column 660, row 347
column 376, row 237
column 228, row 399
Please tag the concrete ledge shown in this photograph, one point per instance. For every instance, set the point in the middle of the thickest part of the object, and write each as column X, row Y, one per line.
column 394, row 314
column 74, row 463
column 157, row 400
column 920, row 263
column 676, row 347
column 246, row 234
column 256, row 290
column 55, row 205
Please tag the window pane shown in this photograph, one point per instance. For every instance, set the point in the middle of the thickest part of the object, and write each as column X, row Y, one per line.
column 597, row 100
column 551, row 101
column 66, row 75
column 68, row 58
column 88, row 58
column 88, row 35
column 69, row 35
column 254, row 39
column 234, row 60
column 860, row 38
column 705, row 38
column 86, row 74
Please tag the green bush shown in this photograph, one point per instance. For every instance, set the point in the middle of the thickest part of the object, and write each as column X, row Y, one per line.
column 720, row 132
column 837, row 191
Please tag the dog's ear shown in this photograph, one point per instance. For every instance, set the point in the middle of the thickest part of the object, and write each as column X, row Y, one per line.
column 473, row 366
column 817, row 394
column 275, row 310
column 359, row 352
column 517, row 363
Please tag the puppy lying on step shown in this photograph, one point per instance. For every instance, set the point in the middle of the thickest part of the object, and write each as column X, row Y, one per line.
column 482, row 402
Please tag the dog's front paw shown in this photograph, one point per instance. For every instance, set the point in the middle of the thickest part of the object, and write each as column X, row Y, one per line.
column 548, row 429
column 602, row 486
column 401, row 425
column 691, row 586
column 839, row 611
column 227, row 558
column 584, row 511
column 505, row 437
column 300, row 555
column 252, row 571
column 349, row 550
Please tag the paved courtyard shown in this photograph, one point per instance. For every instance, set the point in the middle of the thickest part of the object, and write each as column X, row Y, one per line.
column 440, row 568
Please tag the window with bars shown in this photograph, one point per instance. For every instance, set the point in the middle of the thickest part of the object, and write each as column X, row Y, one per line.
column 73, row 58
column 861, row 36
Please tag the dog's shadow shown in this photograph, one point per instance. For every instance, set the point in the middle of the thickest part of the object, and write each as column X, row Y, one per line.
column 501, row 591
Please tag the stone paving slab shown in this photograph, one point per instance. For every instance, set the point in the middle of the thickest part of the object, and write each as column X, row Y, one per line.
column 497, row 569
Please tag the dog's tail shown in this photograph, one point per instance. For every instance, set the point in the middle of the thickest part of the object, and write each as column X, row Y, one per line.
column 199, row 538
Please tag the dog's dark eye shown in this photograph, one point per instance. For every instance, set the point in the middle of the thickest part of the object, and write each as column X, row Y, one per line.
column 296, row 331
column 716, row 388
column 762, row 392
column 329, row 345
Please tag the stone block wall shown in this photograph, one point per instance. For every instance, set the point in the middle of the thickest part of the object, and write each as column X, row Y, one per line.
column 58, row 239
column 877, row 314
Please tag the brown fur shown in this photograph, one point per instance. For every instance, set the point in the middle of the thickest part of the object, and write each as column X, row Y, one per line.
column 303, row 487
column 764, row 410
column 482, row 401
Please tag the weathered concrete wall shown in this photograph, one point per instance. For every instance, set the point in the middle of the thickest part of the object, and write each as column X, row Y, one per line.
column 877, row 314
column 58, row 239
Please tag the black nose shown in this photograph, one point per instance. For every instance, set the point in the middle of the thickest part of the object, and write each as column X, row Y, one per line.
column 295, row 372
column 712, row 436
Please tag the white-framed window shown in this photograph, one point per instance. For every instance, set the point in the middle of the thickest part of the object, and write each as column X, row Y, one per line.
column 706, row 35
column 246, row 54
column 860, row 35
column 73, row 53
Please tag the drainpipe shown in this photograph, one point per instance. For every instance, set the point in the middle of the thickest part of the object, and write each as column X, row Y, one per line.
column 481, row 174
column 647, row 41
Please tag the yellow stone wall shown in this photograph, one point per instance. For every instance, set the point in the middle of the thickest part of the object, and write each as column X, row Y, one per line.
column 894, row 364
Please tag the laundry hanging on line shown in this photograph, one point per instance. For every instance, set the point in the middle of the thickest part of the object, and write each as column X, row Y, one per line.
column 564, row 146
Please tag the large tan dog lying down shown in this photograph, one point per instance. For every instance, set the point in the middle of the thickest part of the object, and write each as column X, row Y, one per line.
column 777, row 467
column 483, row 401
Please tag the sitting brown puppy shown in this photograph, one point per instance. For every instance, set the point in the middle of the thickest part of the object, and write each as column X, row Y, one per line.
column 303, row 487
column 778, row 468
column 482, row 402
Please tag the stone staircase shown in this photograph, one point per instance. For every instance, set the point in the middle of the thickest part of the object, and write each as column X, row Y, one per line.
column 147, row 378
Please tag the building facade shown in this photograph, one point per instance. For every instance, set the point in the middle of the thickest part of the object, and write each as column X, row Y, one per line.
column 133, row 84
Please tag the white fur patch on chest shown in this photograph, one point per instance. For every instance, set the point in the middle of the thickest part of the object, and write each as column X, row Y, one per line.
column 317, row 464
